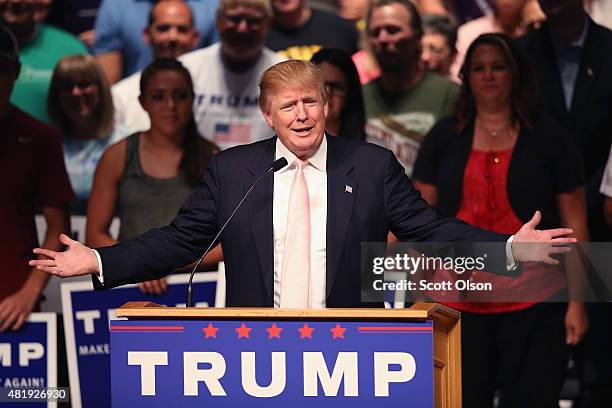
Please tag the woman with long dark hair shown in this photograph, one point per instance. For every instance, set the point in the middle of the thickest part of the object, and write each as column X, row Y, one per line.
column 493, row 165
column 346, row 117
column 149, row 175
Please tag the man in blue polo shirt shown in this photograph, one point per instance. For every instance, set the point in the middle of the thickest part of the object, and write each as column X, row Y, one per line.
column 118, row 44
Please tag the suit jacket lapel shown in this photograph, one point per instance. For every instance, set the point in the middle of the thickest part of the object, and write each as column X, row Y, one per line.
column 590, row 63
column 341, row 191
column 548, row 71
column 259, row 206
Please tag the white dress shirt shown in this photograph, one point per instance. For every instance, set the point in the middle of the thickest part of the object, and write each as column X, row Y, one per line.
column 316, row 179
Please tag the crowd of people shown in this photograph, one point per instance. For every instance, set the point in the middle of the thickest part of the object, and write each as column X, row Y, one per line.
column 495, row 109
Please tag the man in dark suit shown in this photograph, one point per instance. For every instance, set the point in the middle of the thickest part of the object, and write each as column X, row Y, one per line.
column 572, row 59
column 311, row 216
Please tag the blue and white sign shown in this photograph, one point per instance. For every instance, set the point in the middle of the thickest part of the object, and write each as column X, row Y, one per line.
column 28, row 357
column 163, row 363
column 86, row 316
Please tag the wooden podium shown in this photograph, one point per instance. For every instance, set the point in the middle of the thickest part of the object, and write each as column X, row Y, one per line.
column 446, row 331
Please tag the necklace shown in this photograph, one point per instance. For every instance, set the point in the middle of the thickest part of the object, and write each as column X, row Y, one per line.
column 493, row 132
column 494, row 157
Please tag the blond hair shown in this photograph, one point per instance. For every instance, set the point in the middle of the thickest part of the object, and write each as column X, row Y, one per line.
column 81, row 68
column 290, row 74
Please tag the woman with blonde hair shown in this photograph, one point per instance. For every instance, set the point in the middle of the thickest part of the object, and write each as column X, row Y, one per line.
column 81, row 107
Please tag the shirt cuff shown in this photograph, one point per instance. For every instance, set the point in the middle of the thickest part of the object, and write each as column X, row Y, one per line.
column 101, row 274
column 511, row 266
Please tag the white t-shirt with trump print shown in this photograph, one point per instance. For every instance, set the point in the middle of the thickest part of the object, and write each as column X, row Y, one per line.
column 226, row 105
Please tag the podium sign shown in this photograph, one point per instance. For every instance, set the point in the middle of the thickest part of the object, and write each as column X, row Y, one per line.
column 28, row 357
column 272, row 363
column 86, row 316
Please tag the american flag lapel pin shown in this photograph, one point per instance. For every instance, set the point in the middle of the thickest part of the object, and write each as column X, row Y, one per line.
column 348, row 189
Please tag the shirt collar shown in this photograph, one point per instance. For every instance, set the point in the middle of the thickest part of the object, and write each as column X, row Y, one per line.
column 582, row 39
column 317, row 160
column 578, row 42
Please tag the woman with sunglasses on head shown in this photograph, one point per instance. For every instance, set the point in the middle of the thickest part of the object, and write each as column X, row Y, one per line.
column 80, row 105
column 148, row 176
column 346, row 117
column 493, row 164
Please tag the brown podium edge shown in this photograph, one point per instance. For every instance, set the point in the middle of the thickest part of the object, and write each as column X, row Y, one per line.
column 446, row 336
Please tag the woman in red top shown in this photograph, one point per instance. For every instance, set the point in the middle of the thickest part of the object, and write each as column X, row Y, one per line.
column 493, row 164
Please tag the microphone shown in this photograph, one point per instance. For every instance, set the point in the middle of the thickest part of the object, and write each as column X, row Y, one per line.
column 274, row 167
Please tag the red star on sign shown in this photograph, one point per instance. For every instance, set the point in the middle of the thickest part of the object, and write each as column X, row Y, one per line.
column 210, row 331
column 338, row 332
column 243, row 331
column 274, row 331
column 306, row 331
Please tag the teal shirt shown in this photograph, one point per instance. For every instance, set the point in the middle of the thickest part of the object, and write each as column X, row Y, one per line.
column 38, row 59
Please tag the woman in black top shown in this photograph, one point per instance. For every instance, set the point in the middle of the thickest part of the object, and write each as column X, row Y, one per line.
column 493, row 164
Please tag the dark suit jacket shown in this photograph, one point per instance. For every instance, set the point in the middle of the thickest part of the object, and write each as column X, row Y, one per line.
column 589, row 119
column 382, row 200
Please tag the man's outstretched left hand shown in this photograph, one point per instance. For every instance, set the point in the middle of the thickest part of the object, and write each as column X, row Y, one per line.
column 533, row 245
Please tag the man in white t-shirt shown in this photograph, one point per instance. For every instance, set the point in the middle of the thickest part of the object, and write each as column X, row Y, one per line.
column 225, row 77
column 170, row 33
column 226, row 74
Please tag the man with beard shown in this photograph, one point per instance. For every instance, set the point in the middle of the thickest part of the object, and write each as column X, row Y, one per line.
column 406, row 100
column 226, row 75
column 171, row 34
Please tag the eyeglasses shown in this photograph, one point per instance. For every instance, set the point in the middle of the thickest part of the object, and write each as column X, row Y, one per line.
column 437, row 51
column 336, row 88
column 251, row 21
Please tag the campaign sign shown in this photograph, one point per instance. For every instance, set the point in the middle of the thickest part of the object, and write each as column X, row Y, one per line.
column 86, row 316
column 28, row 357
column 221, row 363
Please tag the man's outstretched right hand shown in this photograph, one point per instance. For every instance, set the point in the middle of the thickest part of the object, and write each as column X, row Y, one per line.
column 77, row 260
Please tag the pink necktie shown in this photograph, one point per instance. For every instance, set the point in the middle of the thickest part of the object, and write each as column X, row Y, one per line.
column 295, row 276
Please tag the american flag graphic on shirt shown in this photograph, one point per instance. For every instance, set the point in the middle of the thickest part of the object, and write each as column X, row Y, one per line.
column 232, row 133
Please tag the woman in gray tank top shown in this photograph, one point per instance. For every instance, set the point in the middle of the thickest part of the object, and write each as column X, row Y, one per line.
column 148, row 176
